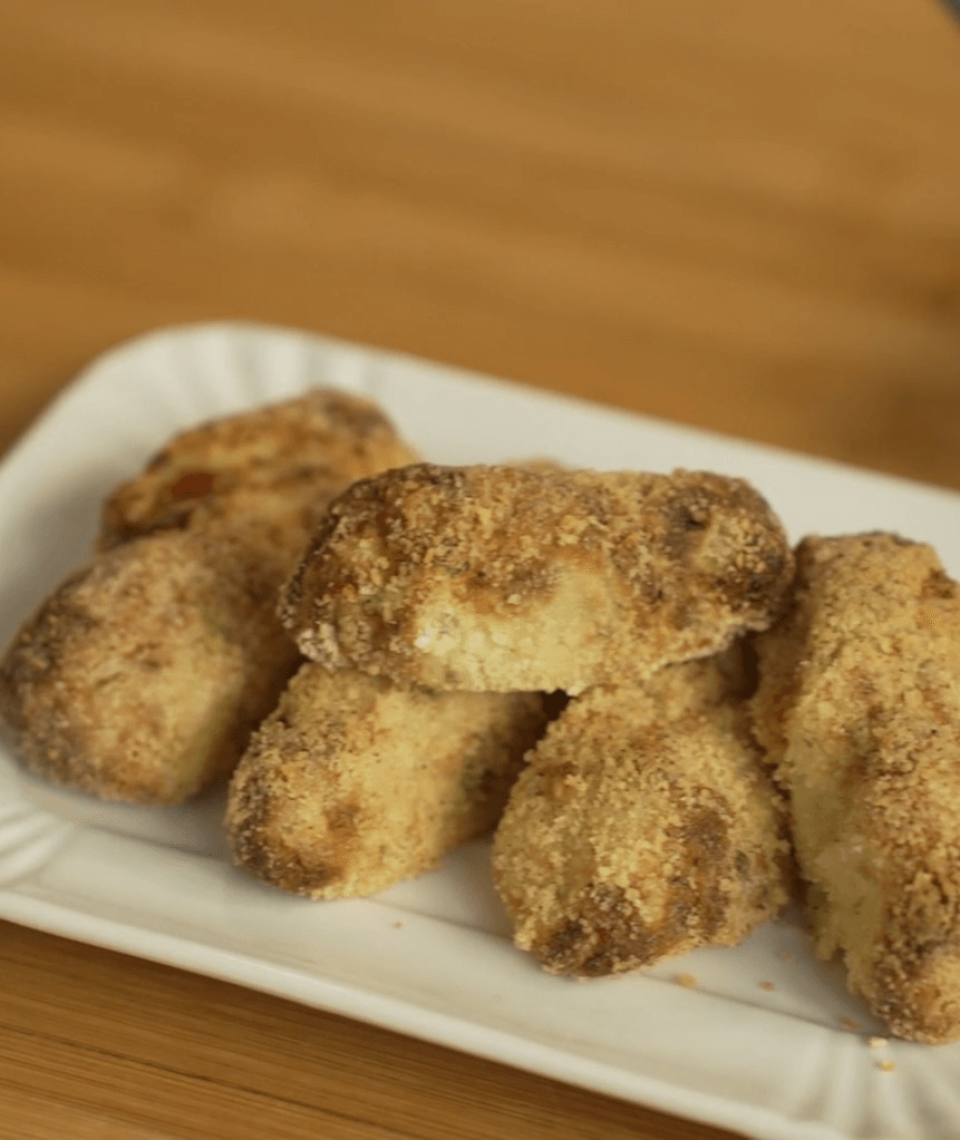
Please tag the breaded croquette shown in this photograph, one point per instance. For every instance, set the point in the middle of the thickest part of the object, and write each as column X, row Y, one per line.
column 643, row 827
column 271, row 470
column 123, row 683
column 500, row 578
column 353, row 784
column 859, row 709
column 142, row 676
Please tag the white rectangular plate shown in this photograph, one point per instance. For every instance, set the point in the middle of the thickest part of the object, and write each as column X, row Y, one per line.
column 758, row 1045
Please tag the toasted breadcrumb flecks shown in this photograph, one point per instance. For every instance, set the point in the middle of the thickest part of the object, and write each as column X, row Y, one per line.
column 353, row 784
column 644, row 827
column 142, row 676
column 858, row 707
column 504, row 578
column 270, row 471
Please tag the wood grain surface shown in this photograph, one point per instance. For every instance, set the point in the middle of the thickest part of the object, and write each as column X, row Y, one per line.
column 744, row 216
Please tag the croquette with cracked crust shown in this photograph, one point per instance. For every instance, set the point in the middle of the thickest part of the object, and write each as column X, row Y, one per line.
column 500, row 578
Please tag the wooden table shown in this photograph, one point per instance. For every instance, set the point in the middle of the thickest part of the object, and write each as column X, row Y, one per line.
column 744, row 216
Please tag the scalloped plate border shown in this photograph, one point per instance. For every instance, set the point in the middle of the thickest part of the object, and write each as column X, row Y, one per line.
column 759, row 1045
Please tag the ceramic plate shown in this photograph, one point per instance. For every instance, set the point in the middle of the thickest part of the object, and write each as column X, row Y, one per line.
column 765, row 1042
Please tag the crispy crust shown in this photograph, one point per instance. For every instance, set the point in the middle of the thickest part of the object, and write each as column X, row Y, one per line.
column 142, row 676
column 353, row 784
column 500, row 578
column 643, row 827
column 859, row 709
column 271, row 471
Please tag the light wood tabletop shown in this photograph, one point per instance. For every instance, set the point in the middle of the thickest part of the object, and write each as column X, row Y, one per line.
column 744, row 216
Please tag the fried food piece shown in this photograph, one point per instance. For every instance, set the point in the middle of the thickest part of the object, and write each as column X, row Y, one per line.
column 643, row 827
column 142, row 676
column 859, row 709
column 270, row 472
column 140, row 679
column 501, row 578
column 353, row 784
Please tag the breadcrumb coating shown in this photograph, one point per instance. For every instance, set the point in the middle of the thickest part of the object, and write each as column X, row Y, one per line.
column 859, row 709
column 353, row 784
column 503, row 578
column 142, row 676
column 270, row 471
column 643, row 827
